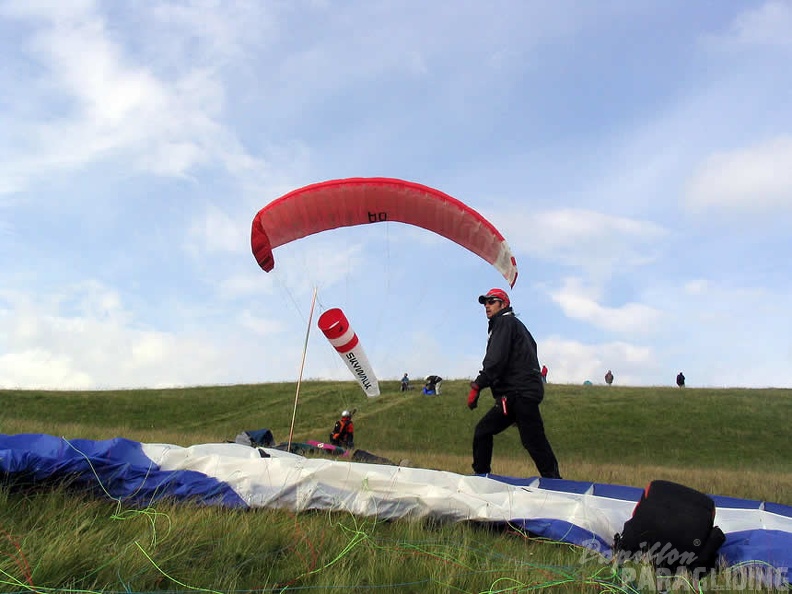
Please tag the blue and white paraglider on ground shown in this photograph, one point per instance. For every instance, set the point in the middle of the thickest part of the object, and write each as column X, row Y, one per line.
column 236, row 475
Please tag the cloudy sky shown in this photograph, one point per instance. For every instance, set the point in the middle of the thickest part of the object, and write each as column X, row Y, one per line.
column 637, row 156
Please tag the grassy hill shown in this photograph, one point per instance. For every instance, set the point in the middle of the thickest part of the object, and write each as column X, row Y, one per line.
column 721, row 441
column 607, row 434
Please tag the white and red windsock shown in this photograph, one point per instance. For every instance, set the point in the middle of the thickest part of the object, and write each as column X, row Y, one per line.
column 335, row 326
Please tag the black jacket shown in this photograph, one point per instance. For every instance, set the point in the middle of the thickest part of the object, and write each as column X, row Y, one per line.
column 511, row 365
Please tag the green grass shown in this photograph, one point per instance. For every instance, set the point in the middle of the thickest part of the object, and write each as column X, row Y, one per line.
column 729, row 442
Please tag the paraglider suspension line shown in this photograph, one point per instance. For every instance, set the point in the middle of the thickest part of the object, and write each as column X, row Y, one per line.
column 302, row 366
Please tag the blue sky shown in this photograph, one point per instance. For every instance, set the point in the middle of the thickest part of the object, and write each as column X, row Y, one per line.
column 637, row 156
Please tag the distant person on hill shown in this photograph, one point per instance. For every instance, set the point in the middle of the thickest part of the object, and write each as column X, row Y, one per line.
column 680, row 379
column 405, row 383
column 544, row 374
column 343, row 434
column 511, row 370
column 609, row 377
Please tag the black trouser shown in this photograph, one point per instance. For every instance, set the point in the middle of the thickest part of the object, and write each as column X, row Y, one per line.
column 524, row 412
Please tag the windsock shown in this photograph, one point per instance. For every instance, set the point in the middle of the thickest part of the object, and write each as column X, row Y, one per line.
column 335, row 326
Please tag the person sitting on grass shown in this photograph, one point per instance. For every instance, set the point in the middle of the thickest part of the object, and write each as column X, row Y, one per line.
column 343, row 434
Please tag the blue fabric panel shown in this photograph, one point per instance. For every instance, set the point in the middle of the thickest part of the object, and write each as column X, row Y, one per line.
column 115, row 466
column 262, row 437
column 565, row 486
column 579, row 487
column 621, row 492
column 512, row 480
column 563, row 531
column 735, row 502
column 762, row 546
column 778, row 508
column 560, row 485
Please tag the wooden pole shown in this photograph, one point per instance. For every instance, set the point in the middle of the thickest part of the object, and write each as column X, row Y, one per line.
column 302, row 366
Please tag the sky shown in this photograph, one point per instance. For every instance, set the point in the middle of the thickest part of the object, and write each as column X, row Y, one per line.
column 636, row 156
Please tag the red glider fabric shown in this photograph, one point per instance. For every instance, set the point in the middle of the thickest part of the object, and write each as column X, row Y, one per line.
column 358, row 201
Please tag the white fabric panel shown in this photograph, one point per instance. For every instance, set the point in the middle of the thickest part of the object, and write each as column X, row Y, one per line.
column 388, row 492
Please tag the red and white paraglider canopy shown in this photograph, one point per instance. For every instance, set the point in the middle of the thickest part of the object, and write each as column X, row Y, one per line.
column 358, row 201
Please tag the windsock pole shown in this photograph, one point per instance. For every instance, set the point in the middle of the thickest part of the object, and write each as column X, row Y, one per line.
column 302, row 366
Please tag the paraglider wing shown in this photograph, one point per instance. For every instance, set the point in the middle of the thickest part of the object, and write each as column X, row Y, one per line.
column 358, row 201
column 232, row 475
column 335, row 326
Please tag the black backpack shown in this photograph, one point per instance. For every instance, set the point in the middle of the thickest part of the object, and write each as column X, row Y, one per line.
column 673, row 526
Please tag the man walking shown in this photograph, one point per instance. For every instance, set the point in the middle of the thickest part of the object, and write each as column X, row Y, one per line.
column 511, row 370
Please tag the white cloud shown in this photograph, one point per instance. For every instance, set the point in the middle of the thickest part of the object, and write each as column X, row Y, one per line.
column 217, row 231
column 318, row 261
column 52, row 8
column 598, row 243
column 243, row 285
column 110, row 106
column 259, row 325
column 218, row 31
column 84, row 338
column 725, row 334
column 39, row 368
column 756, row 179
column 770, row 24
column 573, row 362
column 580, row 302
column 696, row 287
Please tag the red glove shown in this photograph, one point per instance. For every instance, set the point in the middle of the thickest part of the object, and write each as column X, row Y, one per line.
column 473, row 396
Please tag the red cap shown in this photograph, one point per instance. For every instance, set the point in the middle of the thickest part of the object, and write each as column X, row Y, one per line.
column 495, row 294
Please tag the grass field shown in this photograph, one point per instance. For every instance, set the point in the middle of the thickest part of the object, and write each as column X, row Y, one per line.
column 728, row 442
